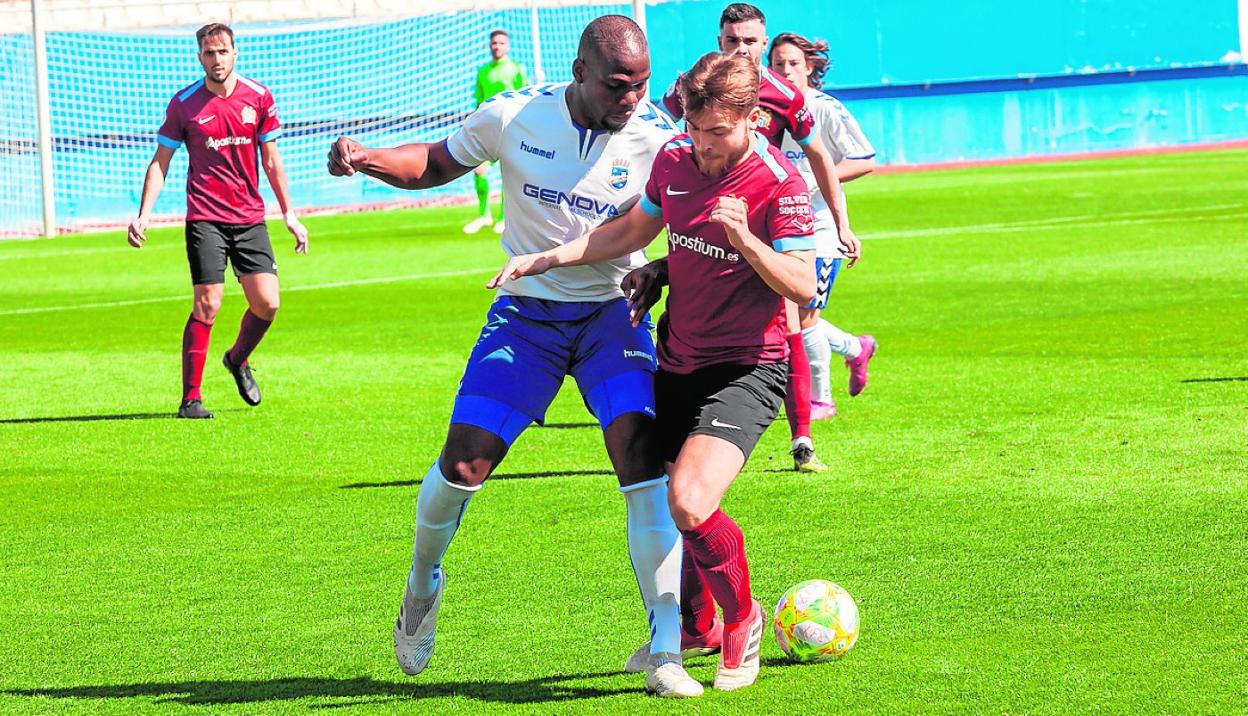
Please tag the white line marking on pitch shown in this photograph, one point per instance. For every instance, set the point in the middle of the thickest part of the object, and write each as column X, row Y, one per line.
column 187, row 296
column 1055, row 222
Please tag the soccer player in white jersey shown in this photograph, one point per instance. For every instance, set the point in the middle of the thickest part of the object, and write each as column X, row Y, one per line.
column 572, row 155
column 804, row 63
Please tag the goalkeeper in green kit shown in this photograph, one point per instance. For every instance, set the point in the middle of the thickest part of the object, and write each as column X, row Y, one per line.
column 500, row 74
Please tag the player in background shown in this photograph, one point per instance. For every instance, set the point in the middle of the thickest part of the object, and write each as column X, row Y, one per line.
column 804, row 63
column 500, row 74
column 222, row 119
column 743, row 31
column 572, row 155
column 740, row 237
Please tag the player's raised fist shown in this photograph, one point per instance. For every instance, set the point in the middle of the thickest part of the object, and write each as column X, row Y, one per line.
column 346, row 156
column 731, row 213
column 137, row 233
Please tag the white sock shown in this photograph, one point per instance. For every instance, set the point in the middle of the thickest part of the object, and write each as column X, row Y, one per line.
column 439, row 509
column 841, row 343
column 654, row 544
column 820, row 354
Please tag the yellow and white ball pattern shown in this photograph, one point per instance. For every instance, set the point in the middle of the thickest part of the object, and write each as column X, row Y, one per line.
column 816, row 621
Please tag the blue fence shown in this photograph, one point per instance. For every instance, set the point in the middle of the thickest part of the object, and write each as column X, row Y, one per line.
column 928, row 82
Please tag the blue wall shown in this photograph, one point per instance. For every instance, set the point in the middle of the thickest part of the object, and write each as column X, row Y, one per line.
column 907, row 41
column 929, row 83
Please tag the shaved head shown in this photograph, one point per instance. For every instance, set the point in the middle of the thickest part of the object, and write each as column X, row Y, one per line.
column 609, row 74
column 615, row 39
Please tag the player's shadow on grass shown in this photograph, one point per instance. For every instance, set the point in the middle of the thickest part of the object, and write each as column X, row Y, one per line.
column 364, row 689
column 88, row 418
column 498, row 476
column 1235, row 379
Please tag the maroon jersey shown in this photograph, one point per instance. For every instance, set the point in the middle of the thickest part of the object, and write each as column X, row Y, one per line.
column 719, row 310
column 784, row 109
column 222, row 136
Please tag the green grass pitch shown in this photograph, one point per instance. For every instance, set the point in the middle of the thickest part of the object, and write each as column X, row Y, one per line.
column 1040, row 502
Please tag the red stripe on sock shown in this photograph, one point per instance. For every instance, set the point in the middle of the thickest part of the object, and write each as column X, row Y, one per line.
column 718, row 547
column 797, row 390
column 194, row 351
column 697, row 606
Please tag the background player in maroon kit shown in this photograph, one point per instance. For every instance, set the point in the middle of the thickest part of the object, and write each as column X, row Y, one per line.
column 222, row 119
column 743, row 31
column 740, row 235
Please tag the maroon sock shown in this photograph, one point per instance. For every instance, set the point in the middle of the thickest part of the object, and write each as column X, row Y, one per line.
column 249, row 336
column 697, row 607
column 718, row 547
column 194, row 352
column 797, row 392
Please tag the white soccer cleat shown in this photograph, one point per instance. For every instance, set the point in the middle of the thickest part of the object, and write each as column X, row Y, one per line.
column 739, row 660
column 690, row 647
column 500, row 227
column 481, row 222
column 413, row 633
column 670, row 680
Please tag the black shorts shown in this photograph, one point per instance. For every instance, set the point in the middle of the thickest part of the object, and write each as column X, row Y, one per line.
column 210, row 243
column 733, row 402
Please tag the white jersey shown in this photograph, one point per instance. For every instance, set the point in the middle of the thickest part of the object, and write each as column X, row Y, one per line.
column 560, row 181
column 844, row 140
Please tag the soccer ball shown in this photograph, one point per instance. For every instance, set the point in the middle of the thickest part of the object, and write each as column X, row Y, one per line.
column 816, row 621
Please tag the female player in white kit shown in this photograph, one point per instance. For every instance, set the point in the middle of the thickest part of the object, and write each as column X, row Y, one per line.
column 803, row 63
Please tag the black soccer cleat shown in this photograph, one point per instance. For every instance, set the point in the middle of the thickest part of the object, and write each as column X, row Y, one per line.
column 194, row 409
column 247, row 388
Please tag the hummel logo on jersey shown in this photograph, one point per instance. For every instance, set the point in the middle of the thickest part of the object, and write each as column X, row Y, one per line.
column 205, row 120
column 636, row 354
column 536, row 151
column 715, row 423
column 673, row 192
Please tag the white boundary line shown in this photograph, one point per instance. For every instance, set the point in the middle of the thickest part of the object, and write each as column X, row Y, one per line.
column 1056, row 222
column 1060, row 222
column 187, row 296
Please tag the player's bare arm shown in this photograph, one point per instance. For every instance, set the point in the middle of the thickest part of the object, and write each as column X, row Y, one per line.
column 153, row 182
column 851, row 169
column 791, row 274
column 276, row 172
column 409, row 166
column 826, row 176
column 613, row 239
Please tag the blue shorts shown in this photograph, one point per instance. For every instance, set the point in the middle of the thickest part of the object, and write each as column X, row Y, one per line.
column 825, row 275
column 527, row 347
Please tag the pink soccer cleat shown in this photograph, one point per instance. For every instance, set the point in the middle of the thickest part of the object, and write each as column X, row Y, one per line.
column 858, row 366
column 820, row 410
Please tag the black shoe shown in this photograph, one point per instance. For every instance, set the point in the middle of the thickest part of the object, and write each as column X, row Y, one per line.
column 194, row 409
column 247, row 388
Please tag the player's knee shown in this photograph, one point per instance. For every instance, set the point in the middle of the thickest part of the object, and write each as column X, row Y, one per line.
column 266, row 308
column 687, row 511
column 206, row 307
column 466, row 473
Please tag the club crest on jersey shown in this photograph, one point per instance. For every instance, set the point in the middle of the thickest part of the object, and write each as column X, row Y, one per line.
column 764, row 120
column 249, row 115
column 619, row 174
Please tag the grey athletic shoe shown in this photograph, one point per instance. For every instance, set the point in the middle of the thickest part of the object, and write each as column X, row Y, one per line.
column 413, row 632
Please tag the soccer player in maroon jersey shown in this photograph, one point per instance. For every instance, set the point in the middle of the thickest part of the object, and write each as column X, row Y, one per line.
column 741, row 244
column 222, row 119
column 743, row 31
